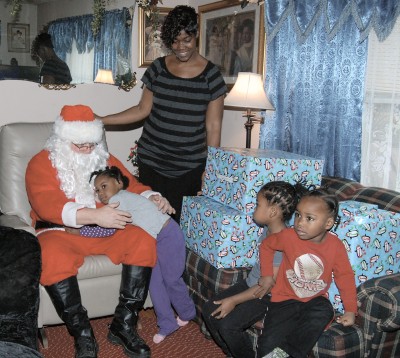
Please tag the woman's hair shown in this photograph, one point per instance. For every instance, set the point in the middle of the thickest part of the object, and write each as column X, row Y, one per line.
column 330, row 200
column 283, row 194
column 180, row 18
column 112, row 172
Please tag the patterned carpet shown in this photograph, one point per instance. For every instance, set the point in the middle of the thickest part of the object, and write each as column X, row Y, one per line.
column 187, row 342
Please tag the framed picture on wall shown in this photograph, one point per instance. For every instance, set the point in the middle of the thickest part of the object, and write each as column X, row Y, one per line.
column 150, row 44
column 233, row 38
column 18, row 37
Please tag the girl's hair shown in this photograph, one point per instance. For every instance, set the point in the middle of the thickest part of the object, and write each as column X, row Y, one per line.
column 180, row 18
column 283, row 194
column 112, row 172
column 330, row 200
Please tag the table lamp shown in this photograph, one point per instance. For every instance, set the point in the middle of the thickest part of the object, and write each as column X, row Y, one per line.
column 248, row 92
column 104, row 76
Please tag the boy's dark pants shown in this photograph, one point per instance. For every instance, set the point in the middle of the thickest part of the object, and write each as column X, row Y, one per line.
column 294, row 326
column 230, row 332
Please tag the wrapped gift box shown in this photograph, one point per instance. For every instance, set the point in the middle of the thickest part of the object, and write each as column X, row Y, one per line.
column 233, row 176
column 223, row 236
column 372, row 240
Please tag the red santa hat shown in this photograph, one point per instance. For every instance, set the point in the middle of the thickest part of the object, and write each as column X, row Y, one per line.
column 78, row 125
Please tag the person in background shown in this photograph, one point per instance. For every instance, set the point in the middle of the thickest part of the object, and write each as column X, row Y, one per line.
column 168, row 291
column 58, row 188
column 228, row 314
column 53, row 70
column 182, row 102
column 300, row 310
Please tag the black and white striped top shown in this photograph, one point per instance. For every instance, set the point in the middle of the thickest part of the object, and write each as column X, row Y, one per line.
column 173, row 141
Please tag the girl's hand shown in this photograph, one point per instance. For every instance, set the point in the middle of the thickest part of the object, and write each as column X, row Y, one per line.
column 162, row 204
column 226, row 306
column 347, row 319
column 265, row 284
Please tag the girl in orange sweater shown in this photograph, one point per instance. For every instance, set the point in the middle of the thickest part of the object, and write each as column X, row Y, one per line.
column 299, row 310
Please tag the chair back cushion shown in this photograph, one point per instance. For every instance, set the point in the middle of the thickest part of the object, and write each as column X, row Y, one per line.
column 19, row 142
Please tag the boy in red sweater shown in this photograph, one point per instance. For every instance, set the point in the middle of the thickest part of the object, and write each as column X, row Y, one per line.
column 299, row 310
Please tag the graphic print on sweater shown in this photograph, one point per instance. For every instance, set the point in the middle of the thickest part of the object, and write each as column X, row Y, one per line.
column 304, row 279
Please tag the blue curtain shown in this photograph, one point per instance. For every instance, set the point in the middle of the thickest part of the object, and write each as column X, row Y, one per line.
column 64, row 31
column 315, row 69
column 112, row 42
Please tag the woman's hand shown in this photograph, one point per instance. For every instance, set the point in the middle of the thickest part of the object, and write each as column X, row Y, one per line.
column 162, row 204
column 226, row 306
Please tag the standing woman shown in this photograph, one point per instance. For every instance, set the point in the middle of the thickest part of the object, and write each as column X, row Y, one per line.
column 183, row 101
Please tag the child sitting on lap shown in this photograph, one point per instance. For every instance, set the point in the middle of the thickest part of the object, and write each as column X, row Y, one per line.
column 167, row 289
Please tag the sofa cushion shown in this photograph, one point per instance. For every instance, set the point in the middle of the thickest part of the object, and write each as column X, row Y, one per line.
column 19, row 142
column 346, row 189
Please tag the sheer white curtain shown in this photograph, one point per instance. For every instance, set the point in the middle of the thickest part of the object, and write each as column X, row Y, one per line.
column 81, row 65
column 380, row 162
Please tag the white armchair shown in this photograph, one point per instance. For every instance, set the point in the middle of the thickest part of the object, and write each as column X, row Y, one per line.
column 98, row 278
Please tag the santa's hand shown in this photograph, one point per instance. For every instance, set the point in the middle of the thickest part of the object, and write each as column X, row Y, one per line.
column 109, row 217
column 162, row 204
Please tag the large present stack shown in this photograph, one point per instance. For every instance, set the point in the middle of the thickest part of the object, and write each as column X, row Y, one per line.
column 218, row 226
column 371, row 237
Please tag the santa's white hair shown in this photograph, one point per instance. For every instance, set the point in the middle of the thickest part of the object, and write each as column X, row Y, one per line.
column 74, row 169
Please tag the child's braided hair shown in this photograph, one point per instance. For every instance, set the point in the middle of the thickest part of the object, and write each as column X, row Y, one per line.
column 283, row 194
column 113, row 172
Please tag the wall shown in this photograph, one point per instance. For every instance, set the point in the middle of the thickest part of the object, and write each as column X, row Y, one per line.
column 25, row 101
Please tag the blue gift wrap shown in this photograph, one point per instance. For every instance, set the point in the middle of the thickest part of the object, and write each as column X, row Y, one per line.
column 233, row 176
column 223, row 236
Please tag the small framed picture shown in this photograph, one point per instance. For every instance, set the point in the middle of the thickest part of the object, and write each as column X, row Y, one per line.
column 233, row 38
column 18, row 37
column 150, row 43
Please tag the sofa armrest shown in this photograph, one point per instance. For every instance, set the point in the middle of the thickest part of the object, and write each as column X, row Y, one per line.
column 378, row 300
column 16, row 222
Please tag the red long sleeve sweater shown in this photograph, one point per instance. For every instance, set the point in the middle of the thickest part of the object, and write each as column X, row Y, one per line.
column 307, row 267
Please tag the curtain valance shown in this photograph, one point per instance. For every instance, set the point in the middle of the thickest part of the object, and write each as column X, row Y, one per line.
column 113, row 32
column 368, row 14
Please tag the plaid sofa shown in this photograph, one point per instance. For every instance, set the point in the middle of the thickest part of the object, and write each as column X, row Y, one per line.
column 377, row 329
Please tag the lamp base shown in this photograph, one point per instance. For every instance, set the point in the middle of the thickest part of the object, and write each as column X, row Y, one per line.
column 249, row 126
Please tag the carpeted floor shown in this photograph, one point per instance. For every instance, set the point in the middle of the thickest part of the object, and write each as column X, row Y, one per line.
column 187, row 342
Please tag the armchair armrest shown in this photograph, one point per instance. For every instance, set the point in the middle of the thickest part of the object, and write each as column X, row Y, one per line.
column 16, row 222
column 379, row 300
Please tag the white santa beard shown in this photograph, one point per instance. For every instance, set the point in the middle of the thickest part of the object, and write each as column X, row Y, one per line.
column 74, row 169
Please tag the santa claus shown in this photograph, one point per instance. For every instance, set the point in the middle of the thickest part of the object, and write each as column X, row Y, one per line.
column 57, row 181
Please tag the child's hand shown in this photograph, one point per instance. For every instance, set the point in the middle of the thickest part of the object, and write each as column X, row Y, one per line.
column 265, row 284
column 347, row 319
column 162, row 204
column 226, row 306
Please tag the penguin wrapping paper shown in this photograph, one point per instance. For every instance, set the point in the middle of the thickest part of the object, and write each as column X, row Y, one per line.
column 223, row 236
column 371, row 237
column 233, row 176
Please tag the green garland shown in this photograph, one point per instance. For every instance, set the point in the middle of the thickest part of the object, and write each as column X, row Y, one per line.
column 16, row 7
column 99, row 9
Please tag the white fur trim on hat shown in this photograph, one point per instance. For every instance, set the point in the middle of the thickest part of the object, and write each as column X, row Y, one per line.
column 79, row 132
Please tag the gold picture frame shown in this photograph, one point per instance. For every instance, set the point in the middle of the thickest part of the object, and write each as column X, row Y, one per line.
column 18, row 37
column 150, row 44
column 221, row 28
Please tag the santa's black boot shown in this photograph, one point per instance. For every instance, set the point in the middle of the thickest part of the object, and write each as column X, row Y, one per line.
column 66, row 298
column 123, row 328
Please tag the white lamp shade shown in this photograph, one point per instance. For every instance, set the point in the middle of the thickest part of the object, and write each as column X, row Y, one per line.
column 248, row 92
column 104, row 76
